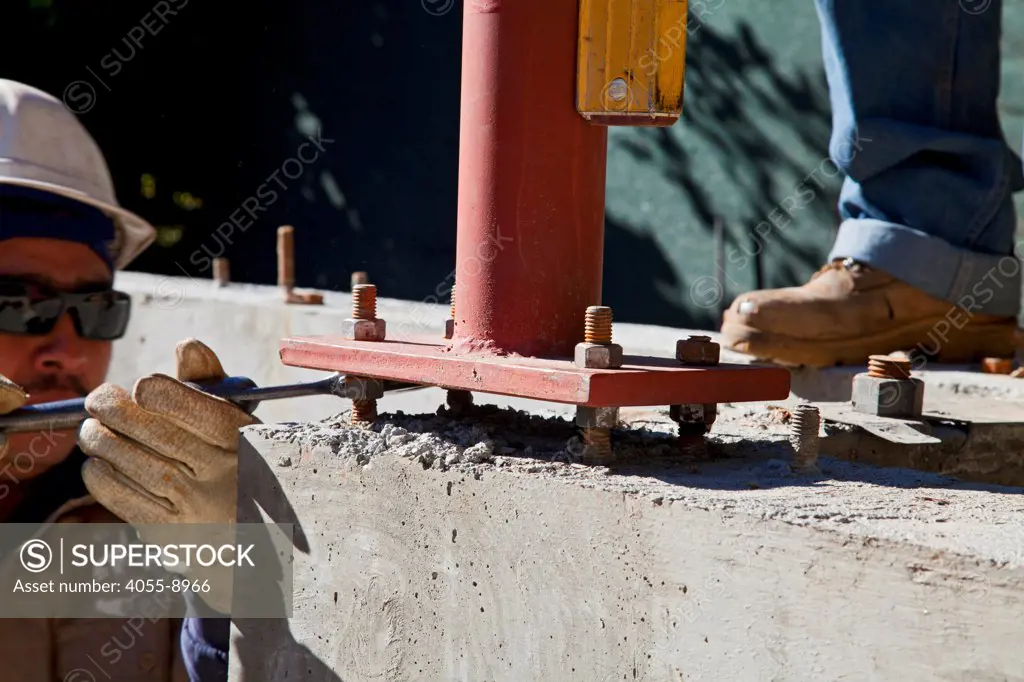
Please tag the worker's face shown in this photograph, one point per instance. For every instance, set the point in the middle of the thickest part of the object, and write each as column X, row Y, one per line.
column 58, row 365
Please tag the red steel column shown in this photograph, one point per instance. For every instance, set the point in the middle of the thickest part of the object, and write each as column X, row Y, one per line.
column 531, row 182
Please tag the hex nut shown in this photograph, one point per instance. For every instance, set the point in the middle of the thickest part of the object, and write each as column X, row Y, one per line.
column 363, row 388
column 597, row 417
column 900, row 398
column 686, row 414
column 363, row 330
column 694, row 414
column 449, row 328
column 698, row 352
column 598, row 355
column 710, row 414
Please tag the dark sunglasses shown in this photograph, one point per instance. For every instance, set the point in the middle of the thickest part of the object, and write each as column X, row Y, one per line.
column 30, row 309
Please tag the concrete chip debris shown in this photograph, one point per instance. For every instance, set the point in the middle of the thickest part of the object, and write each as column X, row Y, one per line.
column 507, row 437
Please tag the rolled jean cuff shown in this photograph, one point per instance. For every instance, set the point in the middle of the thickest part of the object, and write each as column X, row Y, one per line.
column 978, row 282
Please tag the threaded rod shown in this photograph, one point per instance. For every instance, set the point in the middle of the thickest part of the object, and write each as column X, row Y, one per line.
column 364, row 302
column 364, row 411
column 888, row 367
column 803, row 436
column 599, row 444
column 598, row 325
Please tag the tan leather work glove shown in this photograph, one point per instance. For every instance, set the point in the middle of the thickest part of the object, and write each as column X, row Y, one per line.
column 12, row 396
column 166, row 453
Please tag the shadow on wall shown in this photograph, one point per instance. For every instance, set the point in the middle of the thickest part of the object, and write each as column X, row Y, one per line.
column 266, row 648
column 749, row 136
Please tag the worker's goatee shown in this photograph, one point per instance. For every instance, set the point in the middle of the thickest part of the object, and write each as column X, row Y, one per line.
column 56, row 382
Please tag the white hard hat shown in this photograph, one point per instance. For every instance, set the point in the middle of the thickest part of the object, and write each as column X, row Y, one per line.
column 43, row 146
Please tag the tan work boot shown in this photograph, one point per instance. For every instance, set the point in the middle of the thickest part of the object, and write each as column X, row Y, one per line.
column 849, row 311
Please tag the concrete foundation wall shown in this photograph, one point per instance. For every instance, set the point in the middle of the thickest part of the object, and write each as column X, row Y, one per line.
column 523, row 570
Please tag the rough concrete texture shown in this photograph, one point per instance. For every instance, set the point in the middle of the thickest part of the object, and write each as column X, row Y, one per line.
column 479, row 549
column 245, row 322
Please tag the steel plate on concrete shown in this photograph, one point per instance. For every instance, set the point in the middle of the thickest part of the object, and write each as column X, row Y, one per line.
column 643, row 380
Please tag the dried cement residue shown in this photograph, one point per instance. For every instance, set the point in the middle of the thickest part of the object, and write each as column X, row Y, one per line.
column 489, row 434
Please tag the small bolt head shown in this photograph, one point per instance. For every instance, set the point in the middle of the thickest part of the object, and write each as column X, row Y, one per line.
column 363, row 330
column 449, row 328
column 363, row 388
column 597, row 417
column 618, row 89
column 698, row 351
column 598, row 355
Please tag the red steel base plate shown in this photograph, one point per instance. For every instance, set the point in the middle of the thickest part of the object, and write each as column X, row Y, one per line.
column 643, row 380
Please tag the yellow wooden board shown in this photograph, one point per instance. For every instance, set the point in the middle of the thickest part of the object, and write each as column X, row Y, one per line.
column 632, row 56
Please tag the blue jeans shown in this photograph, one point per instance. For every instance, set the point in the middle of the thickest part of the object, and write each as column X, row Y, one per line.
column 927, row 197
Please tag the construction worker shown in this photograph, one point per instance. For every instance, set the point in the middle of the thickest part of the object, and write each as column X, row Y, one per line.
column 163, row 454
column 924, row 260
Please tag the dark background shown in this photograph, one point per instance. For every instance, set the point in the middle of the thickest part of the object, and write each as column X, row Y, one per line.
column 209, row 106
column 215, row 102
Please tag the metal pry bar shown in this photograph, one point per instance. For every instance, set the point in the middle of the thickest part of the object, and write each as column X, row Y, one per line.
column 68, row 414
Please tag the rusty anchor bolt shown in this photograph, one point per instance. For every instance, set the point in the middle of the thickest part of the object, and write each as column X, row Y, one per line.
column 363, row 392
column 286, row 258
column 449, row 324
column 364, row 325
column 694, row 420
column 698, row 351
column 286, row 270
column 597, row 350
column 221, row 272
column 804, row 426
column 596, row 424
column 887, row 389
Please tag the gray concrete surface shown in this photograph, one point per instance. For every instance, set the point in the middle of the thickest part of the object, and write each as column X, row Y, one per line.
column 245, row 322
column 433, row 549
